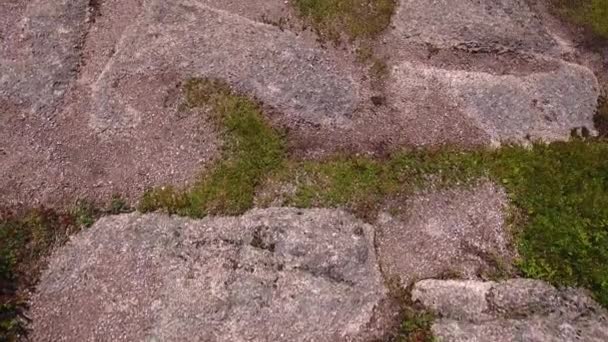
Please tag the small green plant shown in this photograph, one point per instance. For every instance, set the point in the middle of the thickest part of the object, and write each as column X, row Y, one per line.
column 415, row 326
column 415, row 322
column 354, row 19
column 85, row 213
column 11, row 326
column 252, row 149
column 591, row 14
column 118, row 205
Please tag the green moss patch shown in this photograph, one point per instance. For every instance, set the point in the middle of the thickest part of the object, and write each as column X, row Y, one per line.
column 354, row 19
column 592, row 14
column 561, row 191
column 252, row 149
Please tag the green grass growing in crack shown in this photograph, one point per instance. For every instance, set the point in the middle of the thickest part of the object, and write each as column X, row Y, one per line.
column 352, row 18
column 592, row 14
column 252, row 149
column 559, row 191
column 415, row 322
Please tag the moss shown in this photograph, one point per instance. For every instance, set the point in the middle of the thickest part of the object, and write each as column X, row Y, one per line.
column 378, row 69
column 252, row 149
column 362, row 184
column 354, row 19
column 591, row 14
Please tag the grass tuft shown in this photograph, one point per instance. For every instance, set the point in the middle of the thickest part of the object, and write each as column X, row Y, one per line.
column 252, row 149
column 591, row 14
column 355, row 19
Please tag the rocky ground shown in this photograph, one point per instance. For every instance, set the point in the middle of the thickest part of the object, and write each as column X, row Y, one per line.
column 92, row 105
column 90, row 94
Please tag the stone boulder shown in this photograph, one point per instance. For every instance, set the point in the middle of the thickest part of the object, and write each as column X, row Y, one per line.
column 269, row 275
column 512, row 310
column 452, row 232
column 485, row 73
column 544, row 105
column 184, row 39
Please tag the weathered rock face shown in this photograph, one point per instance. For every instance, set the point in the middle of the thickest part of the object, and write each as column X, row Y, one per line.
column 269, row 275
column 492, row 74
column 544, row 105
column 479, row 26
column 513, row 310
column 273, row 65
column 39, row 53
column 456, row 231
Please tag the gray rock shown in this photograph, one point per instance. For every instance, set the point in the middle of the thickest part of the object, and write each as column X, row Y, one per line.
column 269, row 275
column 507, row 108
column 277, row 67
column 476, row 26
column 444, row 232
column 441, row 296
column 41, row 54
column 513, row 310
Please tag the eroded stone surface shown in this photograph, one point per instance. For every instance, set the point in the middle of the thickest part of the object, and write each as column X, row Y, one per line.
column 269, row 275
column 512, row 310
column 477, row 26
column 543, row 105
column 39, row 53
column 454, row 232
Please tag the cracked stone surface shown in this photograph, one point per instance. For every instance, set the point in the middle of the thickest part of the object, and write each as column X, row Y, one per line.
column 511, row 310
column 269, row 275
